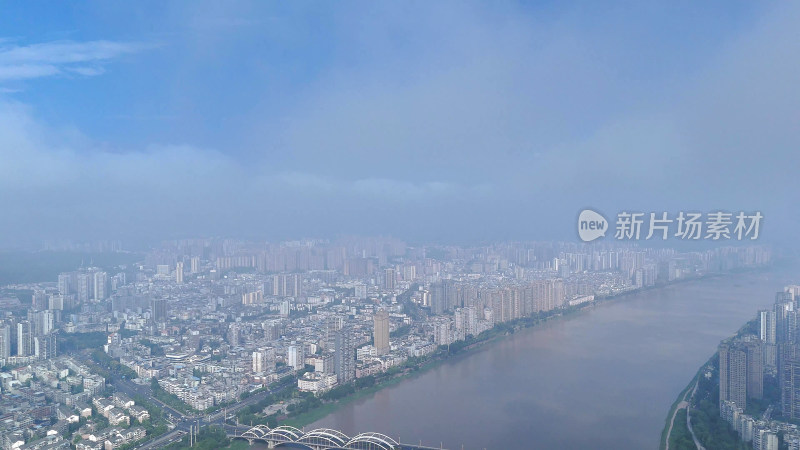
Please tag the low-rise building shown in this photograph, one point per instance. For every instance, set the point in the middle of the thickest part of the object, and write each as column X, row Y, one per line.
column 316, row 382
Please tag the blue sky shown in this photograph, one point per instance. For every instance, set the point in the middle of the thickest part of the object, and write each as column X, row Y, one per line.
column 424, row 120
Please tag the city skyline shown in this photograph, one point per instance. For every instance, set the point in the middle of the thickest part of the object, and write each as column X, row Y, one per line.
column 292, row 326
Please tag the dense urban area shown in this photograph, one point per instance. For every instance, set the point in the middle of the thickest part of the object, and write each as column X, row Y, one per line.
column 197, row 342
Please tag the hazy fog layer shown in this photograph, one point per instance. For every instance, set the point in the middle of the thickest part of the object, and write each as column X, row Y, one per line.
column 426, row 121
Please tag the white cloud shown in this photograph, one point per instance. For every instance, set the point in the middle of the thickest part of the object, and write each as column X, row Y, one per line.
column 63, row 183
column 87, row 71
column 24, row 62
column 27, row 71
column 508, row 128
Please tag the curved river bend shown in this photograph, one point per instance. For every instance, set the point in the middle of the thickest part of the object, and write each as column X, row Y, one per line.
column 603, row 378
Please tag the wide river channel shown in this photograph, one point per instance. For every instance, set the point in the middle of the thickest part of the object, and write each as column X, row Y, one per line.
column 603, row 378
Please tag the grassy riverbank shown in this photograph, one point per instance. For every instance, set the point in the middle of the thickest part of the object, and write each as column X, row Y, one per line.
column 679, row 427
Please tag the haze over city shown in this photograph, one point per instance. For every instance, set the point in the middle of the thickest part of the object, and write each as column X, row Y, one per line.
column 449, row 122
column 417, row 225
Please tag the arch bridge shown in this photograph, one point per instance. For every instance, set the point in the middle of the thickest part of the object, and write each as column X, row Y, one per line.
column 285, row 437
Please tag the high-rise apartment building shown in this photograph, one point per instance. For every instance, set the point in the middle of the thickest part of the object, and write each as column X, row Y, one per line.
column 471, row 320
column 345, row 356
column 325, row 364
column 787, row 351
column 24, row 338
column 441, row 333
column 295, row 357
column 794, row 290
column 381, row 332
column 287, row 285
column 179, row 273
column 789, row 380
column 767, row 333
column 40, row 299
column 85, row 286
column 440, row 296
column 285, row 308
column 253, row 297
column 100, row 289
column 158, row 307
column 42, row 322
column 785, row 317
column 767, row 326
column 741, row 371
column 409, row 272
column 55, row 302
column 732, row 374
column 66, row 283
column 388, row 279
column 234, row 334
column 45, row 346
column 5, row 342
column 264, row 360
column 755, row 367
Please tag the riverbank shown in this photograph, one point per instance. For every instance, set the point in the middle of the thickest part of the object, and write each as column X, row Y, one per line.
column 497, row 333
column 464, row 349
column 677, row 435
column 312, row 416
column 561, row 384
column 678, row 405
column 308, row 409
column 419, row 368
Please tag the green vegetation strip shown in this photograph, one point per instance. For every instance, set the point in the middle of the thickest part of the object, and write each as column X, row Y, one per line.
column 681, row 437
column 681, row 397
